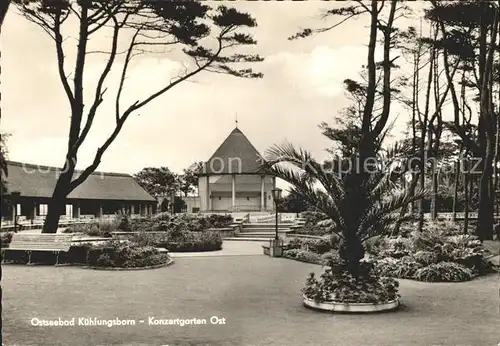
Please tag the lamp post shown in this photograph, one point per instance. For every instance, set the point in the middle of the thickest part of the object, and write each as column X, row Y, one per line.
column 15, row 197
column 275, row 246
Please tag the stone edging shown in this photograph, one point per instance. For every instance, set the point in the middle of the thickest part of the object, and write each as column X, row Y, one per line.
column 351, row 307
column 166, row 264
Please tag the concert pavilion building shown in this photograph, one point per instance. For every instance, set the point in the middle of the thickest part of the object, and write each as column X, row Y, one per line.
column 232, row 180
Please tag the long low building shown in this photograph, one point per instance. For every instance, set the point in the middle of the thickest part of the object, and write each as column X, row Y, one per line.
column 100, row 195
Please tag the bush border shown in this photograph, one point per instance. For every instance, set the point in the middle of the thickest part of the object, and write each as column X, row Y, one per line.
column 166, row 264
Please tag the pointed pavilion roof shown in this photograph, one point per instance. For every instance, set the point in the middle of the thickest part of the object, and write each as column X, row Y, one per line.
column 236, row 155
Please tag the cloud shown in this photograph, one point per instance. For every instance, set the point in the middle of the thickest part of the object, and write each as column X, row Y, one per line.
column 320, row 72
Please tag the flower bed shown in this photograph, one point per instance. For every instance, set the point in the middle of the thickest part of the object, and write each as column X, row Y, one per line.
column 181, row 241
column 437, row 254
column 190, row 222
column 112, row 254
column 338, row 290
column 103, row 229
column 124, row 255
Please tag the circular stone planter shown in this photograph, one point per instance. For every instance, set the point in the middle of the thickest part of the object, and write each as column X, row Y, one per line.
column 350, row 307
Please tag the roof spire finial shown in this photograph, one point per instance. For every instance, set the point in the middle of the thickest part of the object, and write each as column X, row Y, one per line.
column 236, row 119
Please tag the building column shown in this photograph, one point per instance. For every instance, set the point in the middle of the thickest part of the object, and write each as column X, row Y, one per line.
column 76, row 211
column 150, row 209
column 13, row 212
column 33, row 215
column 262, row 200
column 99, row 213
column 233, row 192
column 207, row 189
column 132, row 209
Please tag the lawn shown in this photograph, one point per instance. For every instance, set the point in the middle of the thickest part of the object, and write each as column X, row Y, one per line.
column 258, row 297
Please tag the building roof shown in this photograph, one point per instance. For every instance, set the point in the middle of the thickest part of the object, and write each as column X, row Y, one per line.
column 39, row 181
column 236, row 155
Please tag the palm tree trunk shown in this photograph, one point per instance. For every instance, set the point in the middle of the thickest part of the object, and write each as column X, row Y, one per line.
column 352, row 251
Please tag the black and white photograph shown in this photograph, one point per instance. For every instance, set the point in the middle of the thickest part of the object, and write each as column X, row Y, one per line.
column 250, row 173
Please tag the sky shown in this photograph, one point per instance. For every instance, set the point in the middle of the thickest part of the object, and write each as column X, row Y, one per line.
column 302, row 87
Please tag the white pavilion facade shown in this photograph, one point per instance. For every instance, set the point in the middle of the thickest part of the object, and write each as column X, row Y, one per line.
column 232, row 179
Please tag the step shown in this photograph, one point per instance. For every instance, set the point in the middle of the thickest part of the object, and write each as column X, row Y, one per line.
column 267, row 225
column 266, row 240
column 264, row 229
column 257, row 235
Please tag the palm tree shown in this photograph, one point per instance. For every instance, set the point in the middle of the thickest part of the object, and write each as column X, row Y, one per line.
column 360, row 208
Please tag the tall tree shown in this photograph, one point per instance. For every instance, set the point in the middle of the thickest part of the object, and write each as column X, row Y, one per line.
column 157, row 181
column 469, row 31
column 188, row 180
column 353, row 192
column 293, row 203
column 189, row 25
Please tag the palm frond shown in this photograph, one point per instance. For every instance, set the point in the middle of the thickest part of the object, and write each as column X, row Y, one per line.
column 303, row 160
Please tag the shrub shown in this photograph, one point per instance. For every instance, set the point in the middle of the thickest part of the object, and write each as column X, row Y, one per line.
column 319, row 246
column 95, row 229
column 122, row 223
column 194, row 241
column 313, row 217
column 310, row 229
column 181, row 241
column 116, row 254
column 6, row 238
column 396, row 247
column 308, row 256
column 401, row 268
column 332, row 259
column 302, row 255
column 220, row 221
column 444, row 272
column 165, row 216
column 294, row 243
column 187, row 222
column 291, row 253
column 143, row 225
column 373, row 245
column 426, row 257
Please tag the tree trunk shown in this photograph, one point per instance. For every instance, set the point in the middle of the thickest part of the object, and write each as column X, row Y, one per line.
column 58, row 201
column 484, row 228
column 430, row 140
column 4, row 7
column 467, row 183
column 413, row 186
column 455, row 190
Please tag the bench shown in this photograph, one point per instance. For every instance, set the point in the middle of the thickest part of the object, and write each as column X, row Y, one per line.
column 55, row 243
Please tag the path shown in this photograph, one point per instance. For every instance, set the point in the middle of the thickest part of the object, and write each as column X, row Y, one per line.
column 259, row 298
